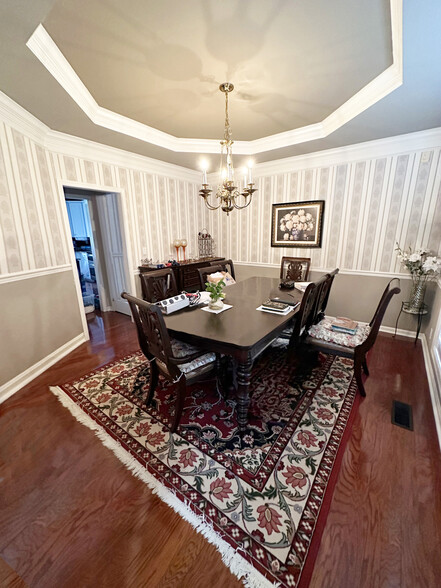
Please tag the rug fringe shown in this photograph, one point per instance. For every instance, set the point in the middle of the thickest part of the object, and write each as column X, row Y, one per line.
column 238, row 565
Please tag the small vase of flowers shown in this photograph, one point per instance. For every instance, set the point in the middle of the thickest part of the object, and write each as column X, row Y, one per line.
column 216, row 294
column 422, row 267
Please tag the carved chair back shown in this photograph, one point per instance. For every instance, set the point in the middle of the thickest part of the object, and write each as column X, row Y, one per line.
column 295, row 268
column 153, row 336
column 158, row 285
column 227, row 266
column 206, row 271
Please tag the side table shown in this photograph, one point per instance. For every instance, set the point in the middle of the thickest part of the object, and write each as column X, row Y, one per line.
column 419, row 312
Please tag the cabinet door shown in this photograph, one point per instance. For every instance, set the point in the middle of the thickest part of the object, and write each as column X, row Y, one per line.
column 77, row 220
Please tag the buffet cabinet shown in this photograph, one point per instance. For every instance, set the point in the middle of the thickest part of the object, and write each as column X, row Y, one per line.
column 186, row 273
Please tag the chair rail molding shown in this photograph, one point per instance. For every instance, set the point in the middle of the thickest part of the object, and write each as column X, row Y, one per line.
column 33, row 273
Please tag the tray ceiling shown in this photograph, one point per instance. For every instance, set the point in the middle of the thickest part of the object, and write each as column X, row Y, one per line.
column 302, row 71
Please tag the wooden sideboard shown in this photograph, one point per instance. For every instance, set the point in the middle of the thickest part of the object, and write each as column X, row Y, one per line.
column 186, row 273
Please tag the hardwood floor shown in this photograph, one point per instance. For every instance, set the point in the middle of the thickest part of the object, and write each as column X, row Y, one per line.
column 72, row 515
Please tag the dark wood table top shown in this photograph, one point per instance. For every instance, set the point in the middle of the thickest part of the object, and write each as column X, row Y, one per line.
column 239, row 331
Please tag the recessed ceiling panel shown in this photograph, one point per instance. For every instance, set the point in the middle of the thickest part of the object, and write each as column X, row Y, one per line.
column 160, row 62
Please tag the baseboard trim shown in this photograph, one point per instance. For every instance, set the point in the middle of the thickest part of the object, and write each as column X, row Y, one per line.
column 435, row 394
column 402, row 332
column 17, row 383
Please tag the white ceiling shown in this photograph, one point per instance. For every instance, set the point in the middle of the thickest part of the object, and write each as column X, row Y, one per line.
column 156, row 66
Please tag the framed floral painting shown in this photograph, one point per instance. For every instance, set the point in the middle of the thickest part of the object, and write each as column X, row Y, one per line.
column 297, row 224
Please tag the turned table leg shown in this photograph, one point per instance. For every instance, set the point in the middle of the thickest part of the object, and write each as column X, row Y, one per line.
column 243, row 392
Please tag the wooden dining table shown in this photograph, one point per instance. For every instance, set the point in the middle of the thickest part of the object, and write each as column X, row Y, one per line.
column 241, row 331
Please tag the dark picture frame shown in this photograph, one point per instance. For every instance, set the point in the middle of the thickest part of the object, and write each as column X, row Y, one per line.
column 297, row 224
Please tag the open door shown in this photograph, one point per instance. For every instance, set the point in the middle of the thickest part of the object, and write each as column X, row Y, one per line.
column 115, row 255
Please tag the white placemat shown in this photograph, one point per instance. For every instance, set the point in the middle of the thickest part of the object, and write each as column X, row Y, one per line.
column 225, row 307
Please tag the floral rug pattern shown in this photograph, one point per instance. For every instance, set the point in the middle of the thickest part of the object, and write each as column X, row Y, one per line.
column 262, row 491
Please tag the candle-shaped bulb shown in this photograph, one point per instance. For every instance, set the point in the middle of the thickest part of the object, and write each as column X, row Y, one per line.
column 204, row 166
column 250, row 177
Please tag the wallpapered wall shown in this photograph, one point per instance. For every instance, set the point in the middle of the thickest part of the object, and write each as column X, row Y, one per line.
column 158, row 208
column 369, row 205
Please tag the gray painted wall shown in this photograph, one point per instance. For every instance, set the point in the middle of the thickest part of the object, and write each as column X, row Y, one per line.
column 39, row 315
column 357, row 296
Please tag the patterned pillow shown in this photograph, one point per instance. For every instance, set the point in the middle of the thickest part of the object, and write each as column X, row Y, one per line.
column 323, row 330
column 181, row 349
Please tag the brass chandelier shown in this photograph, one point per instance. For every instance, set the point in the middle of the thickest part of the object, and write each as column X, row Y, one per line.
column 228, row 195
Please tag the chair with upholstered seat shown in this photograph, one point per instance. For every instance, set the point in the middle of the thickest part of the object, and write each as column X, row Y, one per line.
column 177, row 361
column 158, row 285
column 321, row 337
column 208, row 270
column 304, row 318
column 295, row 269
column 227, row 266
column 313, row 301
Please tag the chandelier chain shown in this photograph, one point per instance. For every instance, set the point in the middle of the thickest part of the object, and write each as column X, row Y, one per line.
column 227, row 132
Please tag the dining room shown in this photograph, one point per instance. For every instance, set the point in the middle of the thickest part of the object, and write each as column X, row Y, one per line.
column 268, row 409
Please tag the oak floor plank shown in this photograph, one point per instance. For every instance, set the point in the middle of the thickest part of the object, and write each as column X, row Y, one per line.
column 72, row 515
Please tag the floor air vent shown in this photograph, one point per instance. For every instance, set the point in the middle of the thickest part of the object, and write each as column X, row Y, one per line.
column 402, row 415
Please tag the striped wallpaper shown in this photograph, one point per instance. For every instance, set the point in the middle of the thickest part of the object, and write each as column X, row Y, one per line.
column 369, row 206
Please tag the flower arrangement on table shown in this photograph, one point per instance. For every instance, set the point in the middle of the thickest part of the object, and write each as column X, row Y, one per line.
column 422, row 267
column 216, row 293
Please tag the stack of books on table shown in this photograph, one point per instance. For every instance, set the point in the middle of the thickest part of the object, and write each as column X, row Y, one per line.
column 344, row 325
column 274, row 306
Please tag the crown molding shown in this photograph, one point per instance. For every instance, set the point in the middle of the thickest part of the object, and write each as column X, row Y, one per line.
column 47, row 52
column 17, row 117
column 410, row 142
column 83, row 148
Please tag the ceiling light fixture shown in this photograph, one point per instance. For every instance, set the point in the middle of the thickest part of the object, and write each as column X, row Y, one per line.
column 227, row 194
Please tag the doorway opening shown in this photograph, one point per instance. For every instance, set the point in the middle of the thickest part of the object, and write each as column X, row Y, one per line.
column 83, row 244
column 99, row 248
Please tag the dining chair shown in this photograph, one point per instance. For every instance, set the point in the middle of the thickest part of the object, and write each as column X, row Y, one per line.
column 295, row 268
column 227, row 265
column 307, row 313
column 321, row 337
column 208, row 270
column 304, row 318
column 158, row 285
column 179, row 362
column 322, row 296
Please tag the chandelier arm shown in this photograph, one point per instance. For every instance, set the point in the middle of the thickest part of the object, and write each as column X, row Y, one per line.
column 210, row 206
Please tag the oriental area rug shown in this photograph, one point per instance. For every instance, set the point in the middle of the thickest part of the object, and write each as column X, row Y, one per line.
column 260, row 497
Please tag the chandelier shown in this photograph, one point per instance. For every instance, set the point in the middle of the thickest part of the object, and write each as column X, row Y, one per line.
column 228, row 195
